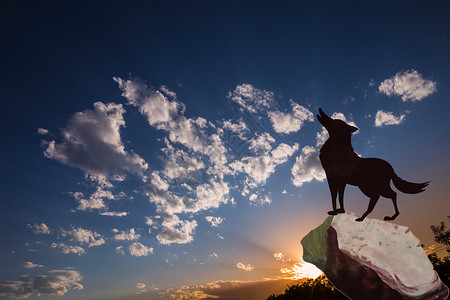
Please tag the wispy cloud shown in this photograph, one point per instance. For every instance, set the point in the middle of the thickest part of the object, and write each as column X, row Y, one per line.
column 39, row 228
column 83, row 236
column 42, row 131
column 292, row 121
column 137, row 249
column 410, row 85
column 387, row 118
column 66, row 249
column 125, row 236
column 30, row 265
column 244, row 267
column 214, row 221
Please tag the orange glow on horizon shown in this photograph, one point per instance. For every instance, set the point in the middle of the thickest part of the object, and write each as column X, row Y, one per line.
column 302, row 270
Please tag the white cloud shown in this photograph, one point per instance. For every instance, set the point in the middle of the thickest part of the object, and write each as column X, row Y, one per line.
column 388, row 118
column 207, row 195
column 280, row 257
column 39, row 228
column 180, row 165
column 57, row 282
column 66, row 249
column 251, row 98
column 83, row 236
column 284, row 192
column 409, row 85
column 259, row 200
column 149, row 221
column 307, row 167
column 152, row 104
column 244, row 267
column 30, row 265
column 92, row 142
column 42, row 131
column 114, row 213
column 259, row 168
column 240, row 128
column 261, row 143
column 137, row 249
column 95, row 201
column 119, row 250
column 290, row 122
column 176, row 231
column 140, row 285
column 215, row 221
column 126, row 236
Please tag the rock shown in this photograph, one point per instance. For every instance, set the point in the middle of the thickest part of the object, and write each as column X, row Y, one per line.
column 372, row 259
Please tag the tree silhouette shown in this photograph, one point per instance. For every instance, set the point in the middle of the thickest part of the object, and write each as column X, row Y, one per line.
column 319, row 288
column 441, row 265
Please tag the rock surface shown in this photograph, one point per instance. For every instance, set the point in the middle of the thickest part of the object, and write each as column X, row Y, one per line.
column 372, row 259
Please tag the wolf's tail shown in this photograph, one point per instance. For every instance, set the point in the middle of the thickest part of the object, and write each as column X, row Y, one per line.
column 408, row 187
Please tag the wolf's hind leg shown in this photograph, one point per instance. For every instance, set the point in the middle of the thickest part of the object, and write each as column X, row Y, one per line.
column 393, row 196
column 372, row 203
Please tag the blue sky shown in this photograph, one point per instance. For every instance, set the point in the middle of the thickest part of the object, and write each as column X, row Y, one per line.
column 170, row 148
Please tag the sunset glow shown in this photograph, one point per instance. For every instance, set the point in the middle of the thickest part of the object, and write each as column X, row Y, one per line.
column 302, row 270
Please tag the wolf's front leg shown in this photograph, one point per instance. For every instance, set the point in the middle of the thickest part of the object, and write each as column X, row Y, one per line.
column 341, row 190
column 334, row 192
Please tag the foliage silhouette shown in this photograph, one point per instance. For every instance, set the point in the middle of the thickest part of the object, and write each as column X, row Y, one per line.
column 319, row 288
column 441, row 265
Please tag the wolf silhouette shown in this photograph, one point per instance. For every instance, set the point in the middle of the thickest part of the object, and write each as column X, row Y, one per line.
column 343, row 166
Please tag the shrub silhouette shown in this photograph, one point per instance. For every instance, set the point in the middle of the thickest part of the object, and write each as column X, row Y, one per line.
column 319, row 288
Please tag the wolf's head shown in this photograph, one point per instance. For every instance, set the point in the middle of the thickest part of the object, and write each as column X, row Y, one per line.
column 336, row 128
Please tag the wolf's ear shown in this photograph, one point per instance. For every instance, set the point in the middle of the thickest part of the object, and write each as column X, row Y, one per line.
column 352, row 128
column 319, row 118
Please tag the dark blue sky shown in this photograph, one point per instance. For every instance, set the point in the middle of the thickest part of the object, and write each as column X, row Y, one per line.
column 58, row 58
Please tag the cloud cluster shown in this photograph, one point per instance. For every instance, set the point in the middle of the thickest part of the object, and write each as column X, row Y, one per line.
column 125, row 236
column 280, row 257
column 262, row 103
column 214, row 221
column 57, row 282
column 244, row 267
column 387, row 118
column 137, row 249
column 30, row 265
column 259, row 168
column 66, row 249
column 176, row 231
column 82, row 236
column 40, row 228
column 290, row 122
column 410, row 85
column 92, row 142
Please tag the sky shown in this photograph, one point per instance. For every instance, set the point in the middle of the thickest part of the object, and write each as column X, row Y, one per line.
column 170, row 149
